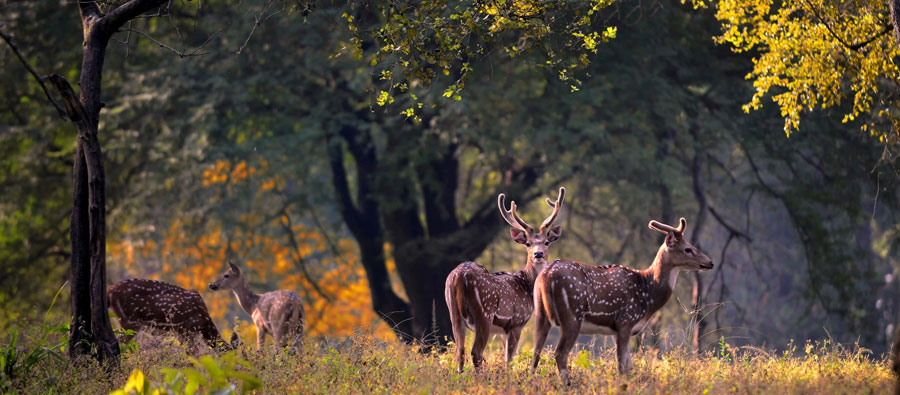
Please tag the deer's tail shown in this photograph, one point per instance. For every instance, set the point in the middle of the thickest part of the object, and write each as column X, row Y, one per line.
column 543, row 297
column 454, row 295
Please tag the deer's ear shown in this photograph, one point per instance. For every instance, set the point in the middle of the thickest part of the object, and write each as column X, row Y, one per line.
column 554, row 233
column 671, row 239
column 234, row 267
column 518, row 235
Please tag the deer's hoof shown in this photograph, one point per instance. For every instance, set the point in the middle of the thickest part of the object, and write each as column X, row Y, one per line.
column 564, row 377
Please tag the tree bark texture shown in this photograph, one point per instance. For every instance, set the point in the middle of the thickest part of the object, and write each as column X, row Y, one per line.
column 91, row 331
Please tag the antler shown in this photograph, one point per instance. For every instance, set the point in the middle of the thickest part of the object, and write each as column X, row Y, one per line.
column 661, row 227
column 510, row 215
column 556, row 206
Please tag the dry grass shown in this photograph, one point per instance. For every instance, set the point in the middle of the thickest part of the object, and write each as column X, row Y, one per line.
column 364, row 365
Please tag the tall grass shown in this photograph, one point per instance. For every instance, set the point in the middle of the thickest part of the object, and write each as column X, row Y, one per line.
column 362, row 364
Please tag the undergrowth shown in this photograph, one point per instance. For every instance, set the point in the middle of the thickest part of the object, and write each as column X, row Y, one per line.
column 362, row 364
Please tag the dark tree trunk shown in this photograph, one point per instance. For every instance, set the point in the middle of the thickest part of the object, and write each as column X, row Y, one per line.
column 91, row 331
column 425, row 249
column 79, row 274
column 362, row 218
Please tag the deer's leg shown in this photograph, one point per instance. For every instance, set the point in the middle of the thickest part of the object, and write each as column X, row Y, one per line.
column 623, row 351
column 512, row 344
column 570, row 329
column 459, row 337
column 482, row 334
column 541, row 329
column 260, row 337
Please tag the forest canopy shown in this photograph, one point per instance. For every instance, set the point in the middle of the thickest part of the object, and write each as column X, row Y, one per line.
column 354, row 153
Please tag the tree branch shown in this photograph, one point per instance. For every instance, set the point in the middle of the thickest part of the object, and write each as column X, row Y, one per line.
column 180, row 54
column 853, row 47
column 128, row 11
column 39, row 78
column 74, row 108
column 288, row 228
column 731, row 229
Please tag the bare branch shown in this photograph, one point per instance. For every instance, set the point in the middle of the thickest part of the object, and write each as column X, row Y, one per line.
column 161, row 44
column 39, row 78
column 292, row 239
column 259, row 20
column 731, row 229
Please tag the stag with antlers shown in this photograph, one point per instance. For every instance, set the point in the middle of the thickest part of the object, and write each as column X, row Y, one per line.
column 278, row 313
column 501, row 302
column 611, row 300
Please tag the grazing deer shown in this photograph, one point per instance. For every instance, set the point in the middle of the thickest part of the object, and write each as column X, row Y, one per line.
column 278, row 313
column 501, row 302
column 611, row 300
column 148, row 303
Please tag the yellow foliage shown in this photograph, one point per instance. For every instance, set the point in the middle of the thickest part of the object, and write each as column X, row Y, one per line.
column 816, row 55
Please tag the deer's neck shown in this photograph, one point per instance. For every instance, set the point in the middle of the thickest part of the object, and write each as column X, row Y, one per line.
column 246, row 298
column 529, row 273
column 661, row 279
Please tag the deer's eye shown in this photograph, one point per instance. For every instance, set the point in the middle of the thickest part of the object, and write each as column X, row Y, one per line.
column 688, row 250
column 226, row 276
column 527, row 244
column 546, row 243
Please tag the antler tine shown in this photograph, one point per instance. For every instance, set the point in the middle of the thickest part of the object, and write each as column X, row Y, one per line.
column 661, row 227
column 508, row 215
column 682, row 223
column 556, row 206
column 525, row 225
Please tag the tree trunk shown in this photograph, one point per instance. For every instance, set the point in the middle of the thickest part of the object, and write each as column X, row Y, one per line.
column 362, row 218
column 91, row 331
column 79, row 274
column 423, row 266
column 393, row 310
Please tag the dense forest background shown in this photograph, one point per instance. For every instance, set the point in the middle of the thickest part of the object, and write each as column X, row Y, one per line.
column 271, row 145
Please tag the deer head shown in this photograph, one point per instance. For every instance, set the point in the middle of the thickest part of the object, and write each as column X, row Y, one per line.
column 537, row 243
column 676, row 251
column 232, row 279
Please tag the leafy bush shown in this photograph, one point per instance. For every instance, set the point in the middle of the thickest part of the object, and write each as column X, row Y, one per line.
column 17, row 362
column 208, row 373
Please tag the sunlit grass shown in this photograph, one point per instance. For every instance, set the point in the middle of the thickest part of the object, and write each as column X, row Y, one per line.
column 363, row 364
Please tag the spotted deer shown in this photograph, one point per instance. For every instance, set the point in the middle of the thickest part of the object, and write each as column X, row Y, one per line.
column 611, row 300
column 277, row 313
column 501, row 302
column 141, row 303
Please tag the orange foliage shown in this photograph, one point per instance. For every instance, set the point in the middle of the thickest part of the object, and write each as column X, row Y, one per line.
column 192, row 260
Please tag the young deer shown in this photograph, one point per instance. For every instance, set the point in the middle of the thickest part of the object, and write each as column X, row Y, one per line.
column 499, row 303
column 155, row 304
column 279, row 313
column 610, row 300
